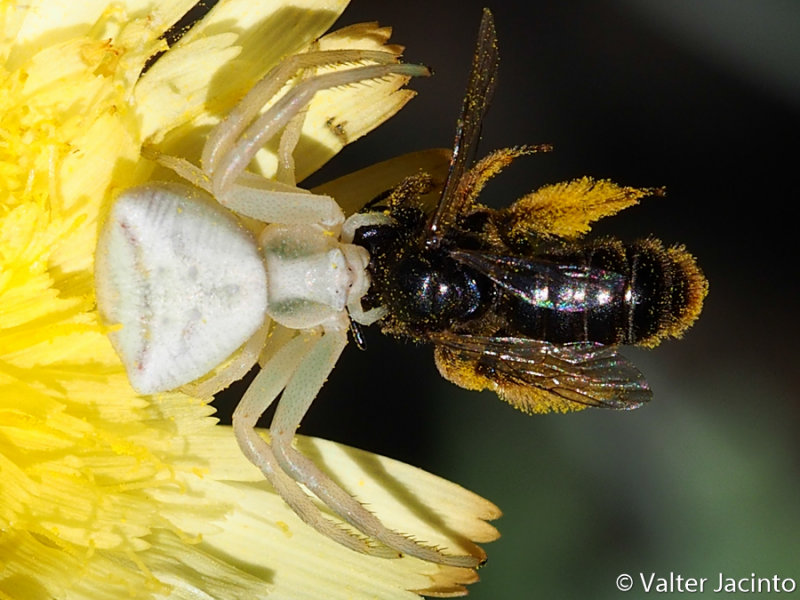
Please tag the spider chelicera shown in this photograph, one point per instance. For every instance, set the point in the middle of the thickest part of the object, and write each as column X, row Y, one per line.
column 191, row 286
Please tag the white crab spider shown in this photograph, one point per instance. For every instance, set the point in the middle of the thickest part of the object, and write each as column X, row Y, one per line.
column 190, row 285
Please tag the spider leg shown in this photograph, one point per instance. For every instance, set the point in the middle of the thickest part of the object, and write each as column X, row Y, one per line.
column 222, row 138
column 227, row 166
column 278, row 337
column 262, row 199
column 274, row 202
column 234, row 142
column 289, row 140
column 238, row 367
column 300, row 392
column 259, row 198
column 181, row 166
column 259, row 396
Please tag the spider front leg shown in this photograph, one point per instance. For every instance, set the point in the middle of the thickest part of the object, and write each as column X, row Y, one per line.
column 262, row 199
column 223, row 137
column 235, row 141
column 300, row 392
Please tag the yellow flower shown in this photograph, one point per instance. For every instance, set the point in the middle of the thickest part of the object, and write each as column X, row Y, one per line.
column 106, row 494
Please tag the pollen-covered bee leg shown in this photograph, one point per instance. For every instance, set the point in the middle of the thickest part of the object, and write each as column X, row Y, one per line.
column 297, row 397
column 226, row 166
column 259, row 396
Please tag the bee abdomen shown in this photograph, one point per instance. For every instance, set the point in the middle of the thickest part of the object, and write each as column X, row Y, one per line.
column 668, row 290
column 637, row 293
column 662, row 298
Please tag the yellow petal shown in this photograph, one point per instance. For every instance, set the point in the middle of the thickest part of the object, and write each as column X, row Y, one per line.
column 354, row 190
column 342, row 115
column 107, row 494
column 211, row 51
column 38, row 24
column 407, row 499
column 190, row 105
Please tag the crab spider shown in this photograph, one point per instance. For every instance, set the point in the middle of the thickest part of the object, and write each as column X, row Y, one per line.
column 190, row 287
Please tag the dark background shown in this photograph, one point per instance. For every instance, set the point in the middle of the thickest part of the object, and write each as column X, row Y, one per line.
column 700, row 97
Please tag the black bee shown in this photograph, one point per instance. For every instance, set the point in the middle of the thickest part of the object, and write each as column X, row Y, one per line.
column 510, row 298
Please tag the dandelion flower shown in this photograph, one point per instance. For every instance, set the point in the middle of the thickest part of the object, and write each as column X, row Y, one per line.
column 104, row 493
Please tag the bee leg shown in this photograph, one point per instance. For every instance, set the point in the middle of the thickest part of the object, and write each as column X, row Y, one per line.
column 259, row 396
column 300, row 392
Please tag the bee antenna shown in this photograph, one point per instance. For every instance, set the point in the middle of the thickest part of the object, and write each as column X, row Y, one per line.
column 357, row 331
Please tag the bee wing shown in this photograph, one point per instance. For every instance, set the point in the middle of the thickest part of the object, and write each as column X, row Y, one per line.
column 537, row 376
column 482, row 82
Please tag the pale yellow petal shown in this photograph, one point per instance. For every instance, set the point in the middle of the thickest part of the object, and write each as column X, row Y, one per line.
column 354, row 190
column 190, row 106
column 176, row 88
column 290, row 25
column 107, row 494
column 238, row 36
column 340, row 116
column 407, row 499
column 49, row 22
column 12, row 17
